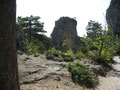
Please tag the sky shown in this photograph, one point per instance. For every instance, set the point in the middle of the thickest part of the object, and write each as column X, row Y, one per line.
column 52, row 10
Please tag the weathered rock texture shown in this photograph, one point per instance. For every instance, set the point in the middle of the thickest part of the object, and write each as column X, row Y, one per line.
column 66, row 27
column 113, row 16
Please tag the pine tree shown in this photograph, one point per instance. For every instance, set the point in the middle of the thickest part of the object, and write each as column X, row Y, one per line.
column 31, row 26
column 93, row 29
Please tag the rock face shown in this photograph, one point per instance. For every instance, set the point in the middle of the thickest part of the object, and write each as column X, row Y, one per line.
column 66, row 27
column 113, row 16
column 20, row 38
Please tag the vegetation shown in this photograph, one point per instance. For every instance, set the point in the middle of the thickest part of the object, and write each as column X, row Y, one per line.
column 93, row 29
column 81, row 53
column 53, row 52
column 35, row 41
column 82, row 75
column 63, row 45
column 66, row 56
column 102, row 47
column 99, row 45
column 39, row 46
column 31, row 26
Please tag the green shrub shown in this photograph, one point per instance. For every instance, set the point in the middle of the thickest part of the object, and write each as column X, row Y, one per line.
column 32, row 48
column 53, row 51
column 104, row 59
column 35, row 46
column 69, row 56
column 83, row 49
column 63, row 45
column 70, row 52
column 66, row 56
column 104, row 47
column 81, row 53
column 82, row 75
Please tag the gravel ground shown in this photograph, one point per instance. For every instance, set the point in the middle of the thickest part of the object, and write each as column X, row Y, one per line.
column 112, row 81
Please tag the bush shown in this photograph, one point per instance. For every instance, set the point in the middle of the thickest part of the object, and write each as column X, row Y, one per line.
column 63, row 45
column 66, row 56
column 104, row 47
column 82, row 75
column 104, row 59
column 83, row 49
column 35, row 47
column 81, row 53
column 53, row 51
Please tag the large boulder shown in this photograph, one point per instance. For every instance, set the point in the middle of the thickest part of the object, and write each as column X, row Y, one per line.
column 113, row 16
column 66, row 27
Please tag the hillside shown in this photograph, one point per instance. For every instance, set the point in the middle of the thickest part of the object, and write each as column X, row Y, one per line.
column 38, row 73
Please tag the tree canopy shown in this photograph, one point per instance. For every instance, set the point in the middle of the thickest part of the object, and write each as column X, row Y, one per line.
column 31, row 26
column 93, row 29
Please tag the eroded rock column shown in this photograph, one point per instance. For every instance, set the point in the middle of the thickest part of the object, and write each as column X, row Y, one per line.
column 66, row 27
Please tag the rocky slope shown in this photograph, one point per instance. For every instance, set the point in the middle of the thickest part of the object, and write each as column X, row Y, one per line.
column 112, row 81
column 38, row 73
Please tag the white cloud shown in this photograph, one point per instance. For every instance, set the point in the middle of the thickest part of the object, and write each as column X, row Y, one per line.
column 51, row 10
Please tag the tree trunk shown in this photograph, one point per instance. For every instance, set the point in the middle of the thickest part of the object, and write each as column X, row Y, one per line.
column 101, row 46
column 30, row 32
column 8, row 56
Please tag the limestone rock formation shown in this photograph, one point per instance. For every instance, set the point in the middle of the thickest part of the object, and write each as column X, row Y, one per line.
column 113, row 16
column 66, row 27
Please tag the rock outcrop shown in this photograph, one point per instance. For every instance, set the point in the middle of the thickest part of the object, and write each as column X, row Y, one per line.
column 113, row 16
column 66, row 27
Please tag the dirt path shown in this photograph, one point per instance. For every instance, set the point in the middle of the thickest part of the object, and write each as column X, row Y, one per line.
column 112, row 81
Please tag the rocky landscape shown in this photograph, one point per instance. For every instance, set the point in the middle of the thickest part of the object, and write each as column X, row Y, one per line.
column 113, row 16
column 38, row 73
column 66, row 27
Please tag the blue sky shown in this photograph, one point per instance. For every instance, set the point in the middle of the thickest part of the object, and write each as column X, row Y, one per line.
column 52, row 10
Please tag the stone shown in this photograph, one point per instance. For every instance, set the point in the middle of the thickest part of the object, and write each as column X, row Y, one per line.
column 54, row 58
column 113, row 16
column 66, row 27
column 36, row 55
column 98, row 70
column 57, row 79
column 50, row 57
